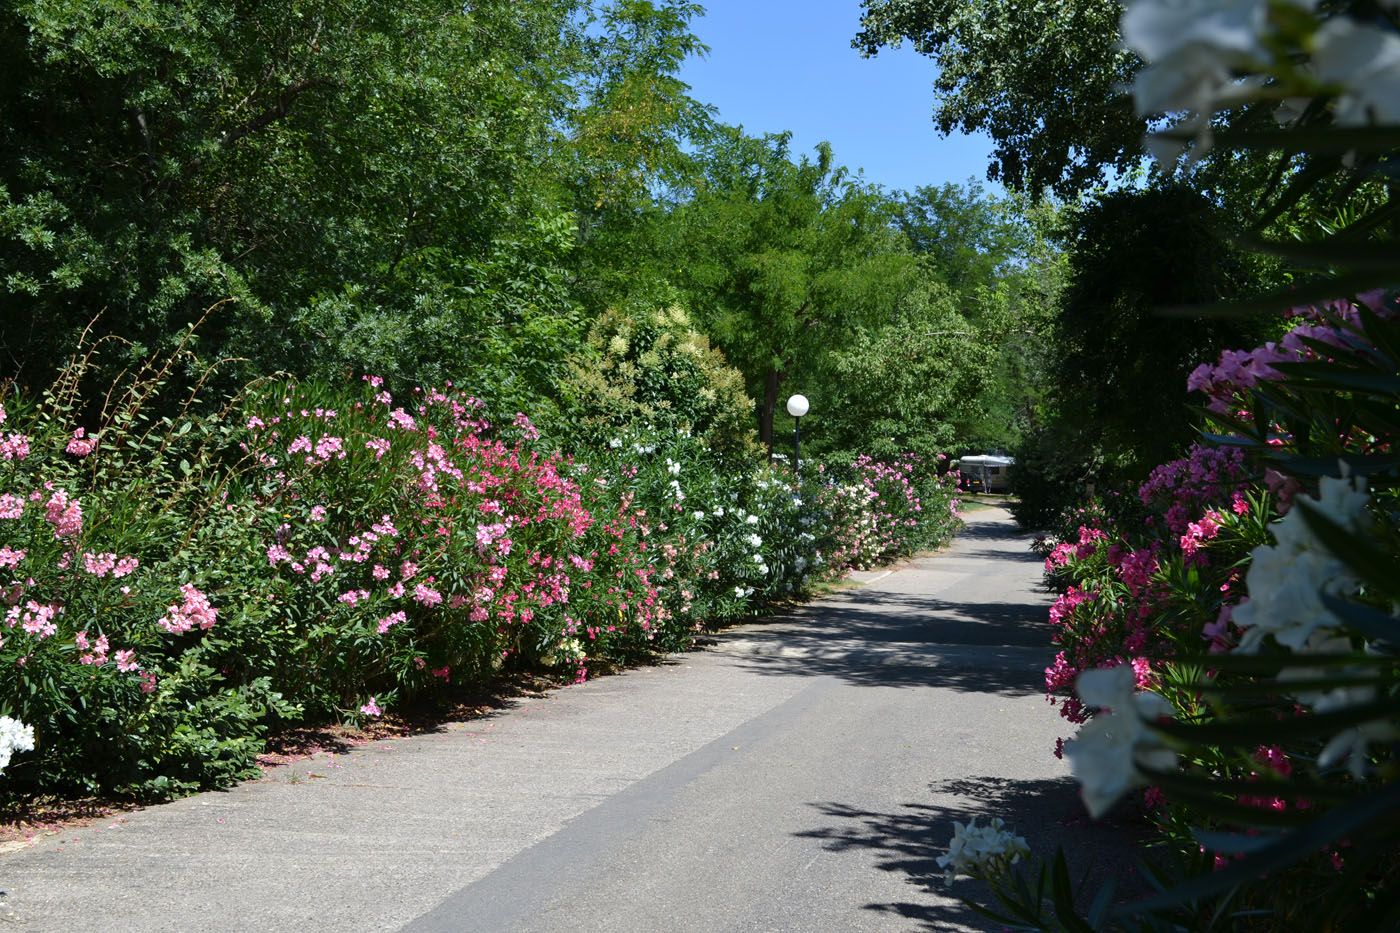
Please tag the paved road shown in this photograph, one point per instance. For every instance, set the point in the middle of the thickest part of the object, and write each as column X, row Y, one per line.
column 799, row 774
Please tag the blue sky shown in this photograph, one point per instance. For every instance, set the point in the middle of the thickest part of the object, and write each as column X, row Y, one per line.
column 788, row 65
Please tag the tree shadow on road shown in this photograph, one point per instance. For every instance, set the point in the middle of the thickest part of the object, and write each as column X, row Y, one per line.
column 909, row 841
column 883, row 639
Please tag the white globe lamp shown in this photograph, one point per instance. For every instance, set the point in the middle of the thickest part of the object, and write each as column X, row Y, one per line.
column 797, row 406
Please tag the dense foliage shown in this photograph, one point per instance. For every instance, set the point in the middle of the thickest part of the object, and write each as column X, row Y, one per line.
column 316, row 551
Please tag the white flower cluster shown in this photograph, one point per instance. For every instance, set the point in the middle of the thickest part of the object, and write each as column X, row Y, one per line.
column 1202, row 56
column 15, row 736
column 1286, row 580
column 982, row 851
column 1107, row 753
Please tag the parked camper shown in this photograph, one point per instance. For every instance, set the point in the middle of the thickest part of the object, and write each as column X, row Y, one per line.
column 984, row 472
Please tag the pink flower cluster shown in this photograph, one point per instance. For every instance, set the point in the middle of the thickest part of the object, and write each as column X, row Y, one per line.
column 1228, row 380
column 193, row 610
column 79, row 445
column 1181, row 489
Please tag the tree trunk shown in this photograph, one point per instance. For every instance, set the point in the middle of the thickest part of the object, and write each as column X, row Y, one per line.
column 765, row 412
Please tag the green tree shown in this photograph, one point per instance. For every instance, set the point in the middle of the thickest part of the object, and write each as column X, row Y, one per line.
column 156, row 158
column 1120, row 364
column 784, row 260
column 1044, row 79
column 907, row 385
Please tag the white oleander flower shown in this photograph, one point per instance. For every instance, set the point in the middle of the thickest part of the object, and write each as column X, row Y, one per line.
column 982, row 851
column 1108, row 751
column 751, row 520
column 755, row 541
column 1192, row 50
column 1365, row 60
column 698, row 515
column 1351, row 744
column 1286, row 580
column 15, row 736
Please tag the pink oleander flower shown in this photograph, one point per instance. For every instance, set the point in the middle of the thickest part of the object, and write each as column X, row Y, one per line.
column 299, row 446
column 194, row 609
column 353, row 597
column 99, row 565
column 64, row 514
column 35, row 618
column 10, row 557
column 379, row 445
column 148, row 682
column 125, row 567
column 372, row 708
column 389, row 621
column 330, row 447
column 380, row 572
column 11, row 507
column 126, row 661
column 80, row 446
column 427, row 596
column 277, row 554
column 14, row 447
column 98, row 656
column 526, row 426
column 318, row 513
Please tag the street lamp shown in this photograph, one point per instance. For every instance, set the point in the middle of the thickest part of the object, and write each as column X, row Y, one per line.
column 797, row 407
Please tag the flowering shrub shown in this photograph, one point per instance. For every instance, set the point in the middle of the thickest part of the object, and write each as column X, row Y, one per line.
column 1224, row 635
column 174, row 586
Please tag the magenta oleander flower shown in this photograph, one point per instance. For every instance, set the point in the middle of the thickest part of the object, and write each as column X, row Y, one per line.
column 371, row 708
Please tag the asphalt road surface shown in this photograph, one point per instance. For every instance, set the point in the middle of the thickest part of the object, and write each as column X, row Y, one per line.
column 798, row 774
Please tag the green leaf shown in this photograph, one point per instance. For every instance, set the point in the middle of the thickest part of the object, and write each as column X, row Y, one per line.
column 1328, row 290
column 1233, row 843
column 1352, row 818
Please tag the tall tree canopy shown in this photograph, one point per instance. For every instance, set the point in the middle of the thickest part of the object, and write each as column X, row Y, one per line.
column 1044, row 79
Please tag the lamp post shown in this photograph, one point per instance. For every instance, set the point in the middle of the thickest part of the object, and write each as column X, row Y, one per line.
column 797, row 407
